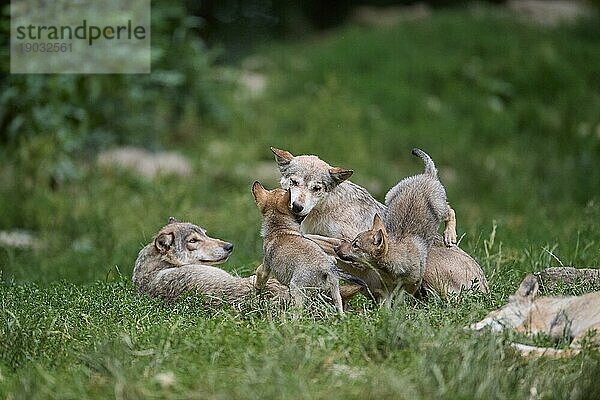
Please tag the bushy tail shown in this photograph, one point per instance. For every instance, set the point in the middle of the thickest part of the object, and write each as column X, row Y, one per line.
column 429, row 165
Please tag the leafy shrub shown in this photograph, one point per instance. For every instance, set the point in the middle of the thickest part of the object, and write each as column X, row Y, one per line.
column 52, row 119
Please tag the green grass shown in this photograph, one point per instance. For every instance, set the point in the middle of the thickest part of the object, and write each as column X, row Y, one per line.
column 510, row 114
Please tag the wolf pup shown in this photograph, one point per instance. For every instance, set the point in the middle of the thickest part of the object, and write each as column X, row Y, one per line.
column 336, row 209
column 180, row 259
column 417, row 205
column 293, row 259
column 397, row 250
column 572, row 317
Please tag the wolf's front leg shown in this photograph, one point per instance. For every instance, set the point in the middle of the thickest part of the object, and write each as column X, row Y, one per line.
column 328, row 244
column 337, row 298
column 297, row 295
column 450, row 230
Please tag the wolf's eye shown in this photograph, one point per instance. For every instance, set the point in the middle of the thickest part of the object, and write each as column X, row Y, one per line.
column 355, row 246
column 317, row 188
column 193, row 240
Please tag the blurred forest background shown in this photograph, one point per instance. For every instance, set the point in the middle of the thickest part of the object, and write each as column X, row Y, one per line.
column 506, row 101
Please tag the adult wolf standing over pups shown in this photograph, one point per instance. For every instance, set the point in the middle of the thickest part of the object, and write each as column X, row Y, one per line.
column 335, row 207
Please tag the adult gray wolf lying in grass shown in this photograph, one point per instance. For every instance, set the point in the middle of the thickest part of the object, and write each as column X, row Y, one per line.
column 397, row 249
column 572, row 317
column 180, row 259
column 293, row 259
column 335, row 208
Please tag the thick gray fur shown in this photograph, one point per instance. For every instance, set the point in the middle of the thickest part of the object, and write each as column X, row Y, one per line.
column 415, row 208
column 417, row 204
column 167, row 268
column 346, row 209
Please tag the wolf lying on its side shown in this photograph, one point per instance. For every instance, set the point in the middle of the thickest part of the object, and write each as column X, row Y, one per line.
column 397, row 249
column 336, row 208
column 179, row 259
column 573, row 317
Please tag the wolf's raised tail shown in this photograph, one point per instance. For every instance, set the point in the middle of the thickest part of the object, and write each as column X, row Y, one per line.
column 429, row 165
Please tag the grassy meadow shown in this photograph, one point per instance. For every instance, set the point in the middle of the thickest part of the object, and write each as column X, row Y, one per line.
column 510, row 112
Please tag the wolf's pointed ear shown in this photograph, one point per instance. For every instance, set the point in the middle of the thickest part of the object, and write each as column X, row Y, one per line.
column 282, row 157
column 172, row 220
column 528, row 287
column 380, row 240
column 163, row 242
column 260, row 194
column 378, row 223
column 339, row 175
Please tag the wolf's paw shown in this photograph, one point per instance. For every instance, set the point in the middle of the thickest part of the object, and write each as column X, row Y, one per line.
column 450, row 237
